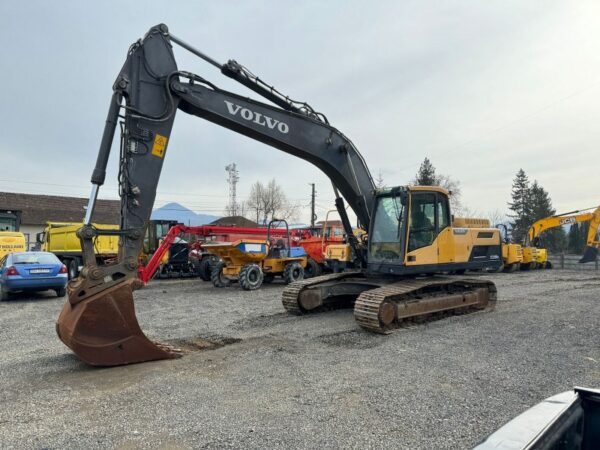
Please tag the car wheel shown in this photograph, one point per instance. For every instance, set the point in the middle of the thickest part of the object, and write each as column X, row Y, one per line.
column 60, row 292
column 3, row 294
column 73, row 268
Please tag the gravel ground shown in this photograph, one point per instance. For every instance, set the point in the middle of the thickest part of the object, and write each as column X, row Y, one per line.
column 277, row 381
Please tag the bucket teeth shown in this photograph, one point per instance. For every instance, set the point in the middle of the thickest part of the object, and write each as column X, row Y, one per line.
column 102, row 330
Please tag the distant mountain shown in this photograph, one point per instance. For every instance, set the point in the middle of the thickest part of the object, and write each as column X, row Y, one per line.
column 175, row 211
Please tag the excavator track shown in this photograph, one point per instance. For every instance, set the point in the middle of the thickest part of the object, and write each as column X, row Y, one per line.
column 291, row 294
column 384, row 309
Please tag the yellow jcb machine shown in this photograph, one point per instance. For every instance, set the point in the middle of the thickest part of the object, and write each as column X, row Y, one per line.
column 410, row 236
column 535, row 256
column 252, row 262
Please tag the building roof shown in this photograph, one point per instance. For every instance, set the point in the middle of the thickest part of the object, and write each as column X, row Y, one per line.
column 39, row 209
column 234, row 221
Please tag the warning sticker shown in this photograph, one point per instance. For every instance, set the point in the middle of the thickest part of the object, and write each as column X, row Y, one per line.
column 160, row 145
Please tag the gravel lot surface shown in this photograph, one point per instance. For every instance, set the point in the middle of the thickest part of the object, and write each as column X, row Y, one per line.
column 277, row 381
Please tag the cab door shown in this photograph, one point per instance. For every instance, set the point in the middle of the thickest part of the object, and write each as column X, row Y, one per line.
column 422, row 245
column 445, row 239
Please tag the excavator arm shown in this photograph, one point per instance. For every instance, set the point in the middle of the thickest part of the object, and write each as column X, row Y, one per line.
column 98, row 322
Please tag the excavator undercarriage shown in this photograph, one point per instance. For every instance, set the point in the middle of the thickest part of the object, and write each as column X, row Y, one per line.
column 381, row 305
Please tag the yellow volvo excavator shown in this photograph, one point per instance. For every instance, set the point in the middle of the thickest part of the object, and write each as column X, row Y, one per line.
column 536, row 256
column 410, row 235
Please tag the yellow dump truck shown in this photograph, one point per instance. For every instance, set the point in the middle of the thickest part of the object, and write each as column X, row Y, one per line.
column 61, row 239
column 11, row 240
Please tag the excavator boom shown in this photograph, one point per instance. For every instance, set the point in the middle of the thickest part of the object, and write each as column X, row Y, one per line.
column 98, row 320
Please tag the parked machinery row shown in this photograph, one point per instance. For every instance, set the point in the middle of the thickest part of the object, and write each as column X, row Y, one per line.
column 530, row 254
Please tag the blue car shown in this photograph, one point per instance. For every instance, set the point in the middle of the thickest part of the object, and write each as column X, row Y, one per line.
column 32, row 271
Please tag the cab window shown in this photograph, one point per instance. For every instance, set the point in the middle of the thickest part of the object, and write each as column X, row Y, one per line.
column 443, row 213
column 422, row 221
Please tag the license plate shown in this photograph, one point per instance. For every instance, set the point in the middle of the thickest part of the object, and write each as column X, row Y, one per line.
column 39, row 271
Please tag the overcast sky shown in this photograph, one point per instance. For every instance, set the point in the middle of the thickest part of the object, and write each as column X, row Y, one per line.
column 481, row 88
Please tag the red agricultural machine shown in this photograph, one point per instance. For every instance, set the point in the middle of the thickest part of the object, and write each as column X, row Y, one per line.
column 185, row 244
column 180, row 251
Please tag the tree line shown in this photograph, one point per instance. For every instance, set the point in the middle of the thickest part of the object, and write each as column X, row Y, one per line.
column 529, row 203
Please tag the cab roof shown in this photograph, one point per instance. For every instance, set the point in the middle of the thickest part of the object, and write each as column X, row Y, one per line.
column 430, row 189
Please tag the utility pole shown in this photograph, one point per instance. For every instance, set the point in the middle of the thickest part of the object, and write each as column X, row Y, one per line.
column 234, row 177
column 313, row 216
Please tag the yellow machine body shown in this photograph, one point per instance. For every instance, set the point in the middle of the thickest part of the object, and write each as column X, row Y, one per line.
column 453, row 245
column 12, row 242
column 61, row 237
column 338, row 252
column 512, row 254
column 456, row 242
column 236, row 255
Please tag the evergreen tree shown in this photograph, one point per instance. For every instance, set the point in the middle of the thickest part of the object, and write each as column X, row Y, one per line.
column 520, row 206
column 541, row 207
column 426, row 175
column 574, row 238
column 578, row 237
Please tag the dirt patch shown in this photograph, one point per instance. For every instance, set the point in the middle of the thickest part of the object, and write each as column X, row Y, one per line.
column 351, row 339
column 200, row 343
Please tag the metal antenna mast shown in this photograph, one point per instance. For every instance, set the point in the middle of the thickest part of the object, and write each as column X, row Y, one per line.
column 232, row 180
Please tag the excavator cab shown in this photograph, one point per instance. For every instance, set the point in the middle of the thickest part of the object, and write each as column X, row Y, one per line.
column 411, row 231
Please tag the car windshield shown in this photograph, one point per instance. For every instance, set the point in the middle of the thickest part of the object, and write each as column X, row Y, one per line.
column 34, row 258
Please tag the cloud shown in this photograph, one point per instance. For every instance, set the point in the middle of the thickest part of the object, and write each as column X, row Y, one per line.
column 481, row 90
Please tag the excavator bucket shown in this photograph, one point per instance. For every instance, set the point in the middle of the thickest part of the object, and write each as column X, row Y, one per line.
column 589, row 254
column 102, row 330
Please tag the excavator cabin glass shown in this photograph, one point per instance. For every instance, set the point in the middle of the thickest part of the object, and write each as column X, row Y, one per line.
column 388, row 230
column 429, row 214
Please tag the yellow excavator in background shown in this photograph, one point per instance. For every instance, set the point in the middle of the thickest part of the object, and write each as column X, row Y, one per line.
column 534, row 256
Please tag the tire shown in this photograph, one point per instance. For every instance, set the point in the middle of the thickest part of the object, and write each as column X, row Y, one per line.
column 251, row 277
column 4, row 295
column 498, row 270
column 204, row 269
column 293, row 272
column 73, row 268
column 526, row 266
column 548, row 265
column 60, row 292
column 312, row 269
column 216, row 276
column 510, row 268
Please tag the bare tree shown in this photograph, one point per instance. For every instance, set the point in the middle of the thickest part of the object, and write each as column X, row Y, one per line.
column 497, row 217
column 254, row 202
column 453, row 186
column 379, row 181
column 269, row 201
